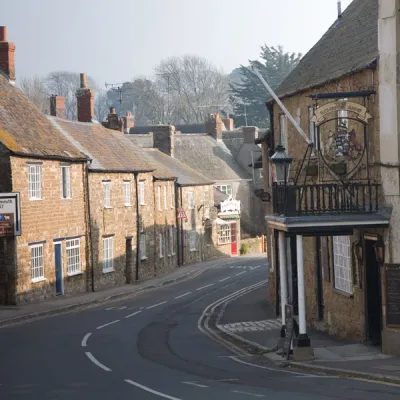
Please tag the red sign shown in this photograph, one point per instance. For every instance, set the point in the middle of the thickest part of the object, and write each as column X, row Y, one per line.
column 181, row 213
column 6, row 224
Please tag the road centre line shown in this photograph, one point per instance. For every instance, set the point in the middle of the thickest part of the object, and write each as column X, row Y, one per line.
column 85, row 339
column 240, row 273
column 132, row 315
column 109, row 323
column 95, row 361
column 182, row 295
column 156, row 305
column 147, row 389
column 253, row 268
column 249, row 394
column 225, row 279
column 195, row 384
column 203, row 287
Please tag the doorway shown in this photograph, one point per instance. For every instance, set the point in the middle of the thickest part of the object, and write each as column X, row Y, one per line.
column 58, row 269
column 128, row 260
column 373, row 296
column 234, row 239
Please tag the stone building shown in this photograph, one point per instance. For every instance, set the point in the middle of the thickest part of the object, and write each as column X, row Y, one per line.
column 337, row 220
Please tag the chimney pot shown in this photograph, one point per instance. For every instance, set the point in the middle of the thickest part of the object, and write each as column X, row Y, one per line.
column 112, row 110
column 339, row 8
column 84, row 83
column 3, row 34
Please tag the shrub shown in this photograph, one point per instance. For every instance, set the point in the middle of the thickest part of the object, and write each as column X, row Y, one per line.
column 244, row 248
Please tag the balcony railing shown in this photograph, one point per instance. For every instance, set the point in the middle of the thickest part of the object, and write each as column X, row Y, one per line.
column 320, row 199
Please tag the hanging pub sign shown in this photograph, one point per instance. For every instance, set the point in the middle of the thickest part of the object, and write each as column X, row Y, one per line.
column 341, row 128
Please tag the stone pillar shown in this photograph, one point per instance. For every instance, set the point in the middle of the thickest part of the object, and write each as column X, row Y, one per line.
column 283, row 278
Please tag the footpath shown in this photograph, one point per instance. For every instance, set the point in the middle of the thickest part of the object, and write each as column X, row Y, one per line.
column 10, row 315
column 251, row 322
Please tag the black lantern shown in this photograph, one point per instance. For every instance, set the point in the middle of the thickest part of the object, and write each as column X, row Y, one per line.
column 380, row 250
column 281, row 162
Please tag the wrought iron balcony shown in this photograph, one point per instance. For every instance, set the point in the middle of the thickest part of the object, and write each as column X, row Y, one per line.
column 325, row 198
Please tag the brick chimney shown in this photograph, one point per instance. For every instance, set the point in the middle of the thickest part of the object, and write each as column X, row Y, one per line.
column 228, row 122
column 164, row 138
column 250, row 134
column 85, row 101
column 129, row 122
column 113, row 121
column 7, row 50
column 57, row 106
column 214, row 126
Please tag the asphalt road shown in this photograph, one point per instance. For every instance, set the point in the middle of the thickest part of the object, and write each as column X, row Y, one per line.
column 156, row 346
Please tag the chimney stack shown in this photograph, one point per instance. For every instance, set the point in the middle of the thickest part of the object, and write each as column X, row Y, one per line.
column 214, row 126
column 129, row 122
column 164, row 138
column 339, row 8
column 85, row 101
column 7, row 50
column 113, row 122
column 57, row 106
column 250, row 134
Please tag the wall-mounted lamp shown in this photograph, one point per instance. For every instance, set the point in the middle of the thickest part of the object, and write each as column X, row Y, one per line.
column 380, row 250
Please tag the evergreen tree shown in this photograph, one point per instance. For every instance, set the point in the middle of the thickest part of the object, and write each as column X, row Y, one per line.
column 249, row 95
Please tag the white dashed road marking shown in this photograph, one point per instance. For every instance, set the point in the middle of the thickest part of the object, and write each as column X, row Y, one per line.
column 225, row 279
column 249, row 394
column 110, row 323
column 253, row 268
column 182, row 295
column 195, row 384
column 98, row 363
column 156, row 305
column 240, row 273
column 203, row 287
column 147, row 389
column 132, row 315
column 85, row 338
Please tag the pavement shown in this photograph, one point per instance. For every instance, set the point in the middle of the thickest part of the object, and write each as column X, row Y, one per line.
column 160, row 344
column 257, row 328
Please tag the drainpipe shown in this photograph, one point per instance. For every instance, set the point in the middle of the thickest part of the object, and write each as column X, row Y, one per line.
column 90, row 247
column 135, row 173
column 270, row 107
column 182, row 235
column 177, row 223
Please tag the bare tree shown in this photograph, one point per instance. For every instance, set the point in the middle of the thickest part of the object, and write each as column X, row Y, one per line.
column 101, row 105
column 192, row 88
column 35, row 89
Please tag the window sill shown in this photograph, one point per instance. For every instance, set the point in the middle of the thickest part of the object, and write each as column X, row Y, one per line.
column 161, row 256
column 108, row 271
column 76, row 273
column 143, row 258
column 36, row 280
column 142, row 204
column 108, row 208
column 169, row 255
column 128, row 205
column 66, row 198
column 343, row 293
column 193, row 250
column 33, row 199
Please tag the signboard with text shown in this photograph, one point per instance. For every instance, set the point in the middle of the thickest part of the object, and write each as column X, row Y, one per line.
column 10, row 215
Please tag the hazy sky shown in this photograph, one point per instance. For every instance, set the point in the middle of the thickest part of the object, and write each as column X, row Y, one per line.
column 116, row 40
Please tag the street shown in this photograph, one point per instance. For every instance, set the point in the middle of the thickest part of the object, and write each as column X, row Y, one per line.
column 158, row 345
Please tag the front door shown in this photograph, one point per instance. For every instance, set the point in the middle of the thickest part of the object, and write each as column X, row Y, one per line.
column 233, row 239
column 128, row 260
column 58, row 268
column 373, row 295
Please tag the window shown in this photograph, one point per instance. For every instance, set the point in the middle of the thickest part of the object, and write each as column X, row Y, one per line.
column 171, row 195
column 141, row 192
column 192, row 240
column 65, row 183
column 107, row 194
column 224, row 234
column 161, row 245
column 283, row 131
column 37, row 264
column 108, row 254
column 165, row 198
column 34, row 182
column 342, row 263
column 342, row 116
column 171, row 240
column 227, row 189
column 159, row 197
column 127, row 193
column 73, row 256
column 143, row 246
column 190, row 200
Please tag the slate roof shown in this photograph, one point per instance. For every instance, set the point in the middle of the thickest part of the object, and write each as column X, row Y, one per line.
column 186, row 176
column 24, row 130
column 144, row 140
column 108, row 150
column 350, row 45
column 219, row 196
column 208, row 156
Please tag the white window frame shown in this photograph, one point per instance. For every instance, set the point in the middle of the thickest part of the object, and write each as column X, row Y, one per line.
column 159, row 197
column 127, row 193
column 172, row 239
column 227, row 189
column 108, row 254
column 161, row 244
column 224, row 234
column 37, row 262
column 283, row 131
column 65, row 181
column 107, row 194
column 192, row 240
column 171, row 195
column 143, row 246
column 190, row 197
column 343, row 274
column 34, row 181
column 165, row 198
column 73, row 247
column 343, row 114
column 141, row 193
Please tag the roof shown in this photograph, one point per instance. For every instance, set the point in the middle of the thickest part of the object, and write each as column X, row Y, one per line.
column 208, row 156
column 24, row 130
column 350, row 45
column 142, row 139
column 186, row 175
column 219, row 196
column 109, row 150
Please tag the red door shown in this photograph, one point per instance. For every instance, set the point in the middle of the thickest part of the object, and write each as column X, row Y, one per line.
column 233, row 239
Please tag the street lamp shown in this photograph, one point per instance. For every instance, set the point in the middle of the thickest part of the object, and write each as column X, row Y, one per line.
column 281, row 163
column 380, row 250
